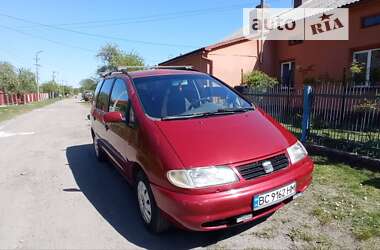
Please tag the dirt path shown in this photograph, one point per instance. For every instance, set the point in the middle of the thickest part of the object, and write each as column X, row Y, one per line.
column 54, row 194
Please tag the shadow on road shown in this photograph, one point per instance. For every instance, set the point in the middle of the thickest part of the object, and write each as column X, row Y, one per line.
column 112, row 197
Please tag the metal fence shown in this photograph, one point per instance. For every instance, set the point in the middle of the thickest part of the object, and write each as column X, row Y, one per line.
column 346, row 118
column 284, row 104
column 343, row 118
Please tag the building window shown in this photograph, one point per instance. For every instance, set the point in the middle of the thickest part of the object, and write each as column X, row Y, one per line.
column 297, row 3
column 371, row 21
column 369, row 62
column 287, row 74
column 294, row 42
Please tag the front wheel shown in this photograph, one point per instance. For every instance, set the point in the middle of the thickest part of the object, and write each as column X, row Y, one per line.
column 150, row 213
column 98, row 150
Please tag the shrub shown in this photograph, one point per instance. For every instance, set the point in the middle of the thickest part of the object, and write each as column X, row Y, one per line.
column 259, row 79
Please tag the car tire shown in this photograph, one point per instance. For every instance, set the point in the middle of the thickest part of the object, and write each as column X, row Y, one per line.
column 149, row 212
column 99, row 153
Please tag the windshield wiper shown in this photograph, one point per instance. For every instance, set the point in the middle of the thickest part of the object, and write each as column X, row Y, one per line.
column 182, row 117
column 206, row 114
column 235, row 110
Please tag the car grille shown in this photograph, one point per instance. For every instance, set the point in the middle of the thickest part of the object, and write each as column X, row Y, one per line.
column 256, row 169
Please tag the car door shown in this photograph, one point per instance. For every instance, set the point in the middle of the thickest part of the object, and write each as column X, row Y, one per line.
column 101, row 108
column 122, row 134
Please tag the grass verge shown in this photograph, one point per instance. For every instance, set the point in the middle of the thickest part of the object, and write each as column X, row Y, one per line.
column 8, row 112
column 347, row 196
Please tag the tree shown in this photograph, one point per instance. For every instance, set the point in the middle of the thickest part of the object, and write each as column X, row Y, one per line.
column 112, row 57
column 68, row 90
column 8, row 77
column 259, row 79
column 26, row 81
column 50, row 87
column 88, row 84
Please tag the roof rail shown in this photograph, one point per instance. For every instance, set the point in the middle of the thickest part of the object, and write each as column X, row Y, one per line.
column 126, row 68
column 108, row 73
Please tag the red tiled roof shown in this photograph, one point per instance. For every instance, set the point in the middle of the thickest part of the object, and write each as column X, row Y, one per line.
column 209, row 48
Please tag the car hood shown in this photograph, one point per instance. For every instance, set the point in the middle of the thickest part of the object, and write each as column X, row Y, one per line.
column 226, row 139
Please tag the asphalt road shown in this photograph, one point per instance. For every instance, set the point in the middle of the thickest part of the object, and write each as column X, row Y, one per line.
column 54, row 194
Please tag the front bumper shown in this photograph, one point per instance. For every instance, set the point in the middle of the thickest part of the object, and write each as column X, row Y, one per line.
column 215, row 211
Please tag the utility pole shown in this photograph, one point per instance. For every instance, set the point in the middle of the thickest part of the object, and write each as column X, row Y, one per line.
column 53, row 75
column 37, row 59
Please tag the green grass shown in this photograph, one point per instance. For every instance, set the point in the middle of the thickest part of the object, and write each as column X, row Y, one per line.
column 339, row 134
column 8, row 112
column 347, row 196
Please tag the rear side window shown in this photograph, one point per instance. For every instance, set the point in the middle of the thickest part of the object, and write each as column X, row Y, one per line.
column 119, row 97
column 98, row 86
column 104, row 95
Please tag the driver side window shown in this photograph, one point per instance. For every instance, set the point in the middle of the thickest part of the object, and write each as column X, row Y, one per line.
column 119, row 98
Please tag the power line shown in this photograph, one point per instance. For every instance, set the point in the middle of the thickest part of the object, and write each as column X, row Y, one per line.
column 151, row 18
column 46, row 39
column 142, row 21
column 177, row 14
column 95, row 35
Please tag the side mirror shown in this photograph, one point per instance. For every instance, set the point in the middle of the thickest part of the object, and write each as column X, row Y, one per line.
column 112, row 117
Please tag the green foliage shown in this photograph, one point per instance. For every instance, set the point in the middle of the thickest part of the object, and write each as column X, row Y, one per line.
column 356, row 68
column 26, row 81
column 8, row 77
column 112, row 57
column 87, row 84
column 259, row 79
column 367, row 106
column 50, row 87
column 14, row 80
column 56, row 89
column 68, row 90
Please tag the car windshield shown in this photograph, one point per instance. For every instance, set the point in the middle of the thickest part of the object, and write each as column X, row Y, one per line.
column 186, row 96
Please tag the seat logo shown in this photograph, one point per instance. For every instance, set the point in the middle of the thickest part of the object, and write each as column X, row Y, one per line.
column 268, row 167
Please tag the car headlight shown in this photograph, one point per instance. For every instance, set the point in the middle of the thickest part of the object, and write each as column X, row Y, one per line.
column 296, row 152
column 202, row 177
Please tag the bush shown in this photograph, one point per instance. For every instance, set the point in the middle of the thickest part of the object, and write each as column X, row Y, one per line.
column 259, row 79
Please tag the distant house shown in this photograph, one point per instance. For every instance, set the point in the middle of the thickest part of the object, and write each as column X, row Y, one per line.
column 297, row 62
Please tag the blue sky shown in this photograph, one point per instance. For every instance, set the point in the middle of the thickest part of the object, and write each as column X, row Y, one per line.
column 70, row 32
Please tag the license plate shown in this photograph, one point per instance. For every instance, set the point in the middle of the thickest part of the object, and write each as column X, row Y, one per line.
column 275, row 196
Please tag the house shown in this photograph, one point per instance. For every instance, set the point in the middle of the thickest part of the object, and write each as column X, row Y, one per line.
column 226, row 60
column 297, row 62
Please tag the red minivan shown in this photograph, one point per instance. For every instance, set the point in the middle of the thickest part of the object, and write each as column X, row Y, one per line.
column 199, row 155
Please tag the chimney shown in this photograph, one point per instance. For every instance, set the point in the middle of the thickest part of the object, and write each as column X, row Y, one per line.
column 265, row 6
column 297, row 3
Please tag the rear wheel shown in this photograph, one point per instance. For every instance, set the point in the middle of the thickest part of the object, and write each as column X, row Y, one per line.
column 98, row 150
column 150, row 213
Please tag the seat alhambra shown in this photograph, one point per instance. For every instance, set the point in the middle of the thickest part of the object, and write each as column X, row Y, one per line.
column 198, row 154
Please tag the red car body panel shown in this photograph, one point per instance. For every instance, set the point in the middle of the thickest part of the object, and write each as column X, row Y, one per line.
column 192, row 211
column 156, row 146
column 224, row 139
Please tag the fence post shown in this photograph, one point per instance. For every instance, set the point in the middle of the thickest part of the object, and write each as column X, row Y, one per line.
column 2, row 101
column 307, row 102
